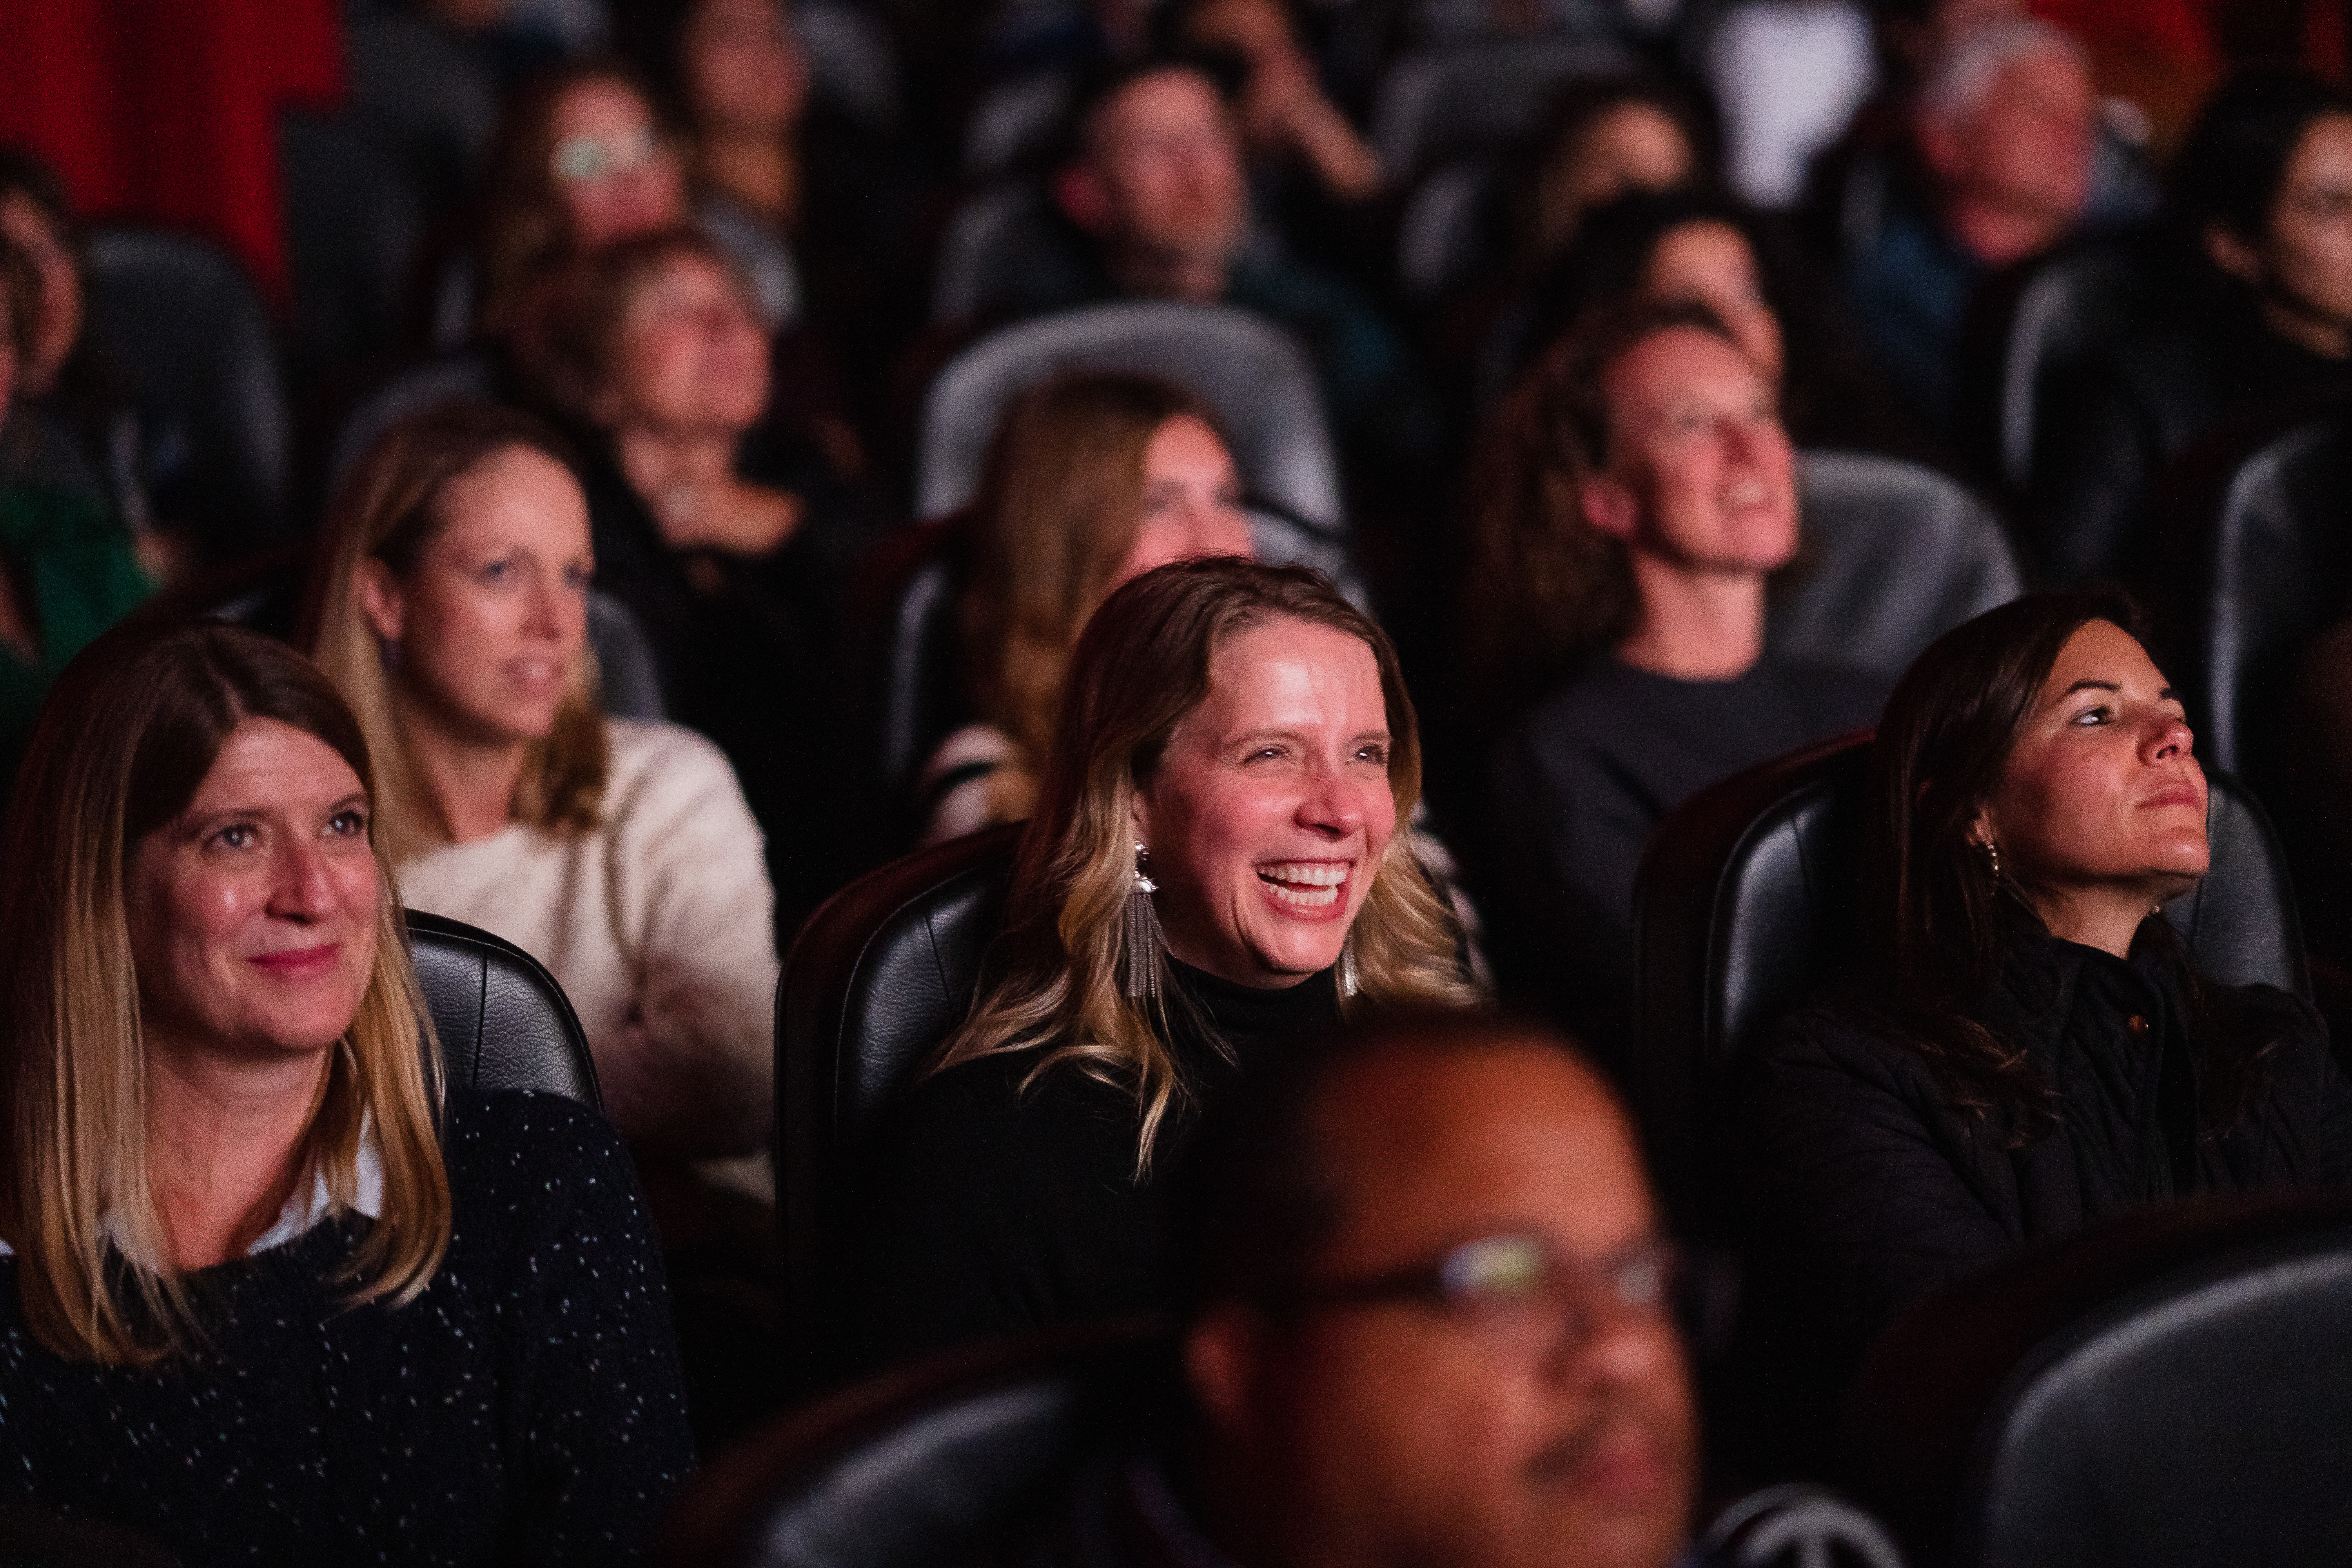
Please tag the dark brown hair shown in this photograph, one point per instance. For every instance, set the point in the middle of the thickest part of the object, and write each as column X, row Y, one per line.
column 1545, row 588
column 1939, row 925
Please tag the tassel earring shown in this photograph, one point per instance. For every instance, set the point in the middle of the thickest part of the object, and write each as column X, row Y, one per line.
column 1143, row 940
column 1348, row 984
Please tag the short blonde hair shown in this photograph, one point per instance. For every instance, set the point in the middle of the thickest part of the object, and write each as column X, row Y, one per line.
column 125, row 740
column 390, row 511
column 1141, row 665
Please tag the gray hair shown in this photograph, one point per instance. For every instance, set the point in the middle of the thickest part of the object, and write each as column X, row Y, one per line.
column 1961, row 78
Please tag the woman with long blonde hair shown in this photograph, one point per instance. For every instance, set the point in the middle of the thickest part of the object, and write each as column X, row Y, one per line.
column 246, row 1223
column 452, row 613
column 1215, row 867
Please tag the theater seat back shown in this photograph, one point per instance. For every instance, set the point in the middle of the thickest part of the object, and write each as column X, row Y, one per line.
column 875, row 982
column 1895, row 555
column 931, row 1465
column 504, row 1022
column 2205, row 1419
column 1257, row 376
column 2278, row 573
column 1747, row 904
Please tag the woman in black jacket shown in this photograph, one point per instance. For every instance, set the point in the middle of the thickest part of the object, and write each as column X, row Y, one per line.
column 2033, row 1048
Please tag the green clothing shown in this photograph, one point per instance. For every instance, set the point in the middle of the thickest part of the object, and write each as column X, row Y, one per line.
column 74, row 576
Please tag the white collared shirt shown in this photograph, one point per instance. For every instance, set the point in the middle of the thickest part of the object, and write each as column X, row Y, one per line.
column 305, row 1209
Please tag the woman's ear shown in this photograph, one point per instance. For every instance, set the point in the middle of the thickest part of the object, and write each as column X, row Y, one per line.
column 1980, row 834
column 2232, row 255
column 380, row 599
column 1609, row 506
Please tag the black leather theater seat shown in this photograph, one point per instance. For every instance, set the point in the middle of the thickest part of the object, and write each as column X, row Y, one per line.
column 2164, row 1390
column 504, row 1022
column 875, row 981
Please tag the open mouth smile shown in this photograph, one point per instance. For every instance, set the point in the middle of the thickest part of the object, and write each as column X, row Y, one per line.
column 1306, row 884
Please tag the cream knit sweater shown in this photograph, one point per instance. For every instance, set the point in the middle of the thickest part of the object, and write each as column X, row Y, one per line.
column 659, row 925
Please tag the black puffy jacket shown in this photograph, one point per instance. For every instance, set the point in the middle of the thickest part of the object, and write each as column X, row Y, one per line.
column 1866, row 1187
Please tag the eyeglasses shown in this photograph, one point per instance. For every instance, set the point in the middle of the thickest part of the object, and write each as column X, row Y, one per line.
column 1517, row 1285
column 580, row 159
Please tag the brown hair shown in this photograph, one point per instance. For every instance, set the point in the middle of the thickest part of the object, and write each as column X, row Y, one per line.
column 1545, row 589
column 389, row 510
column 124, row 741
column 524, row 229
column 1059, row 504
column 568, row 332
column 1141, row 665
column 1940, row 924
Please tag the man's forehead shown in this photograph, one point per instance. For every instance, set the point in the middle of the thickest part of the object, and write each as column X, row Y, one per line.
column 1178, row 95
column 1422, row 1145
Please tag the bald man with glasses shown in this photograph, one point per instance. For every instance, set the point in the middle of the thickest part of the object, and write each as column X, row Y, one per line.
column 1429, row 1324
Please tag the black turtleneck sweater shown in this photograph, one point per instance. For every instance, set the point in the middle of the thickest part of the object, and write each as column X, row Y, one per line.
column 1868, row 1188
column 982, row 1209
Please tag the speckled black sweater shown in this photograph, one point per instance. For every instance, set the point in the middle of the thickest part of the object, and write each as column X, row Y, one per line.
column 525, row 1409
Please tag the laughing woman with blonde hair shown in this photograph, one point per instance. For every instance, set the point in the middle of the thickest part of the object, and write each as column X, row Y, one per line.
column 246, row 1223
column 1214, row 868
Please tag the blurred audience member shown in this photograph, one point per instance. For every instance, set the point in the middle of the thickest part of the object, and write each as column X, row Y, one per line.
column 1155, row 188
column 66, row 570
column 370, row 1313
column 1789, row 74
column 2004, row 131
column 655, row 346
column 735, row 75
column 2029, row 1047
column 1600, row 141
column 779, row 188
column 1094, row 477
column 1710, row 249
column 582, row 162
column 1428, row 1319
column 1213, row 872
column 2254, row 318
column 1638, row 490
column 67, row 427
column 1287, row 120
column 452, row 613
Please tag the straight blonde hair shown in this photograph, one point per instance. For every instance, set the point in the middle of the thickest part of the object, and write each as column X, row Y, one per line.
column 389, row 510
column 1143, row 664
column 122, row 746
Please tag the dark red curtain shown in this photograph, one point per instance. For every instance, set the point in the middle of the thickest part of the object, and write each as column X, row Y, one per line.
column 165, row 111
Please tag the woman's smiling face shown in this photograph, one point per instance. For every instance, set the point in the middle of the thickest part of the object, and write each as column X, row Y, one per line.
column 1271, row 809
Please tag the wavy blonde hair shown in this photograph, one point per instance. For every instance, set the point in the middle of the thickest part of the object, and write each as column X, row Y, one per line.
column 390, row 511
column 123, row 744
column 1141, row 665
